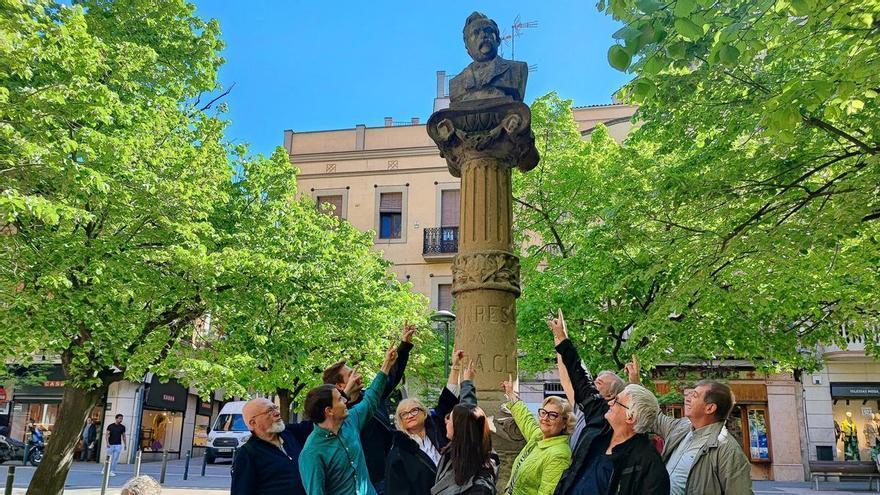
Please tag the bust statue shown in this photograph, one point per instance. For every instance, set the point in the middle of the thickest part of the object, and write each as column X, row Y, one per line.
column 488, row 76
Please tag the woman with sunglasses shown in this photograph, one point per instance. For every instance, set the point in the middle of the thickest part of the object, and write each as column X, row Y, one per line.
column 468, row 466
column 421, row 435
column 540, row 464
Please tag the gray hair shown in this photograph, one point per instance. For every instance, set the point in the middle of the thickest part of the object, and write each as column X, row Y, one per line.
column 617, row 383
column 410, row 402
column 142, row 485
column 643, row 407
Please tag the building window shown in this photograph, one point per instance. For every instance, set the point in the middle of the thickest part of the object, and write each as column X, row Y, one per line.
column 444, row 297
column 390, row 215
column 450, row 199
column 331, row 204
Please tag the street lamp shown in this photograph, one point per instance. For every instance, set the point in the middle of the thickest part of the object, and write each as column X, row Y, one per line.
column 444, row 317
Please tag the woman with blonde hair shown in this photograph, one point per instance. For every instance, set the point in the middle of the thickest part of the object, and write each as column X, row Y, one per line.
column 539, row 466
column 421, row 436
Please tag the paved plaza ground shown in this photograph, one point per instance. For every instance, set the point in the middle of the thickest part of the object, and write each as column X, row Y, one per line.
column 85, row 479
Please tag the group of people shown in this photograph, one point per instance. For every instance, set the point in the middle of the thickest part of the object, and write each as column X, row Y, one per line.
column 605, row 437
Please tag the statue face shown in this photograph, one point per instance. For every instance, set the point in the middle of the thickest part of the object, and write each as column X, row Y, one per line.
column 482, row 41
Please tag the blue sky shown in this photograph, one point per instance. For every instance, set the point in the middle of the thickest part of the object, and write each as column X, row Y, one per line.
column 331, row 65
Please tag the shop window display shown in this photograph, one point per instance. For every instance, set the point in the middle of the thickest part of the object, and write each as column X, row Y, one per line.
column 161, row 431
column 200, row 433
column 856, row 428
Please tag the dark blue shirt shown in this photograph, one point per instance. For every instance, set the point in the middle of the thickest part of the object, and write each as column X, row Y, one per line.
column 595, row 476
column 261, row 468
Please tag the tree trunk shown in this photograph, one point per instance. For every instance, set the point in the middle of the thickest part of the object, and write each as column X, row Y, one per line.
column 51, row 474
column 284, row 399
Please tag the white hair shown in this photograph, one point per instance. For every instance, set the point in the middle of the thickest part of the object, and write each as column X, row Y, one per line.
column 142, row 485
column 615, row 384
column 643, row 407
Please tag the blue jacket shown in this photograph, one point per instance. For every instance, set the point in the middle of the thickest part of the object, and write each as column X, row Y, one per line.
column 260, row 468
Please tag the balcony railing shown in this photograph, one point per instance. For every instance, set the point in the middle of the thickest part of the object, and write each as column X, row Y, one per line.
column 440, row 241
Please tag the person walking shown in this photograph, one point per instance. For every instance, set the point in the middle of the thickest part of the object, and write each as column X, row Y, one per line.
column 88, row 435
column 468, row 465
column 332, row 461
column 421, row 436
column 614, row 453
column 540, row 464
column 116, row 442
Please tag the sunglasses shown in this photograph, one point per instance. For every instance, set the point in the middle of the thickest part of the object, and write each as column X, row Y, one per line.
column 411, row 413
column 545, row 414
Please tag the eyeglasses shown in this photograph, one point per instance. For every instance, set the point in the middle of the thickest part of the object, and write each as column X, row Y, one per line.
column 271, row 409
column 411, row 413
column 616, row 401
column 545, row 414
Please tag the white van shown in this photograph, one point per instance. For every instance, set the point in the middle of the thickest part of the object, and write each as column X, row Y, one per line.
column 228, row 432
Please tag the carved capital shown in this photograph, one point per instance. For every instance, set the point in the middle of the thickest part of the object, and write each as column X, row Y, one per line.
column 498, row 270
column 499, row 129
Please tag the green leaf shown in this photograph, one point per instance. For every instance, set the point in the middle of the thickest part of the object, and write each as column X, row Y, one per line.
column 728, row 54
column 626, row 32
column 684, row 8
column 619, row 58
column 677, row 50
column 688, row 29
column 644, row 89
column 649, row 6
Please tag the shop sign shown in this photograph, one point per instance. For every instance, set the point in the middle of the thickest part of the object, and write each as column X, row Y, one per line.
column 169, row 396
column 2, row 394
column 855, row 390
column 204, row 408
column 53, row 383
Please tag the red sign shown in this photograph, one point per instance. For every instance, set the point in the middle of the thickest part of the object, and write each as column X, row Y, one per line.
column 2, row 394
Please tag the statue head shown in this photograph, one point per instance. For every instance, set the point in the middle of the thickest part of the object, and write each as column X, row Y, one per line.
column 481, row 37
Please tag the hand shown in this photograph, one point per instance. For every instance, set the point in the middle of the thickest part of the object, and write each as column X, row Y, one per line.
column 390, row 359
column 507, row 388
column 469, row 371
column 558, row 327
column 632, row 370
column 354, row 385
column 457, row 356
column 408, row 331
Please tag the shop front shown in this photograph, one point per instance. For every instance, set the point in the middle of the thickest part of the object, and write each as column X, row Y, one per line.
column 162, row 420
column 204, row 412
column 37, row 402
column 856, row 412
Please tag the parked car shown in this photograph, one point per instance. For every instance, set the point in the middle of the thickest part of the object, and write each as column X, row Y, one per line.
column 228, row 432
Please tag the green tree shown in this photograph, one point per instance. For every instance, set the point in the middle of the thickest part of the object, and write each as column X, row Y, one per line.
column 124, row 220
column 767, row 115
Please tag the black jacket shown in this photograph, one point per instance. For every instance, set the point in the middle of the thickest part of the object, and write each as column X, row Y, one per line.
column 638, row 468
column 376, row 437
column 410, row 471
column 260, row 468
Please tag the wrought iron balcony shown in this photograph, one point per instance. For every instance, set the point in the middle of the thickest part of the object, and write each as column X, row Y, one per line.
column 440, row 242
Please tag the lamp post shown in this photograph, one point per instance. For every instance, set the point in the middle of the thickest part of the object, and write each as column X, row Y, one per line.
column 444, row 317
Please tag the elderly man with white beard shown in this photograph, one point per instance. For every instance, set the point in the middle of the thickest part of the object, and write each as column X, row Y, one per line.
column 268, row 463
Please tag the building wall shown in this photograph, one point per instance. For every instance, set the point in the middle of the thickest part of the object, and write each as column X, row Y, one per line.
column 360, row 163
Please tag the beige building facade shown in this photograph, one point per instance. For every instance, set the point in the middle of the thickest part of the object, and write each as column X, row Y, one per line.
column 391, row 180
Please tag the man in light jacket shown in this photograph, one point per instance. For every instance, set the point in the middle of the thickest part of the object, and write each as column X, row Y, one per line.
column 700, row 455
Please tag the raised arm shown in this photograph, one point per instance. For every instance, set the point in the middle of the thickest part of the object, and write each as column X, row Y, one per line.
column 584, row 390
column 362, row 411
column 395, row 374
column 565, row 380
column 468, row 390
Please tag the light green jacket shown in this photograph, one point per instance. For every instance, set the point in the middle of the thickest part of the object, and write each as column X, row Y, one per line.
column 539, row 466
column 721, row 467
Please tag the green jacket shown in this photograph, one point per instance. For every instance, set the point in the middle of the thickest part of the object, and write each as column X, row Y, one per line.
column 334, row 464
column 539, row 466
column 721, row 467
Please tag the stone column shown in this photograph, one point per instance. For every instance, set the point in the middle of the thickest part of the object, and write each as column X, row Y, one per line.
column 482, row 142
